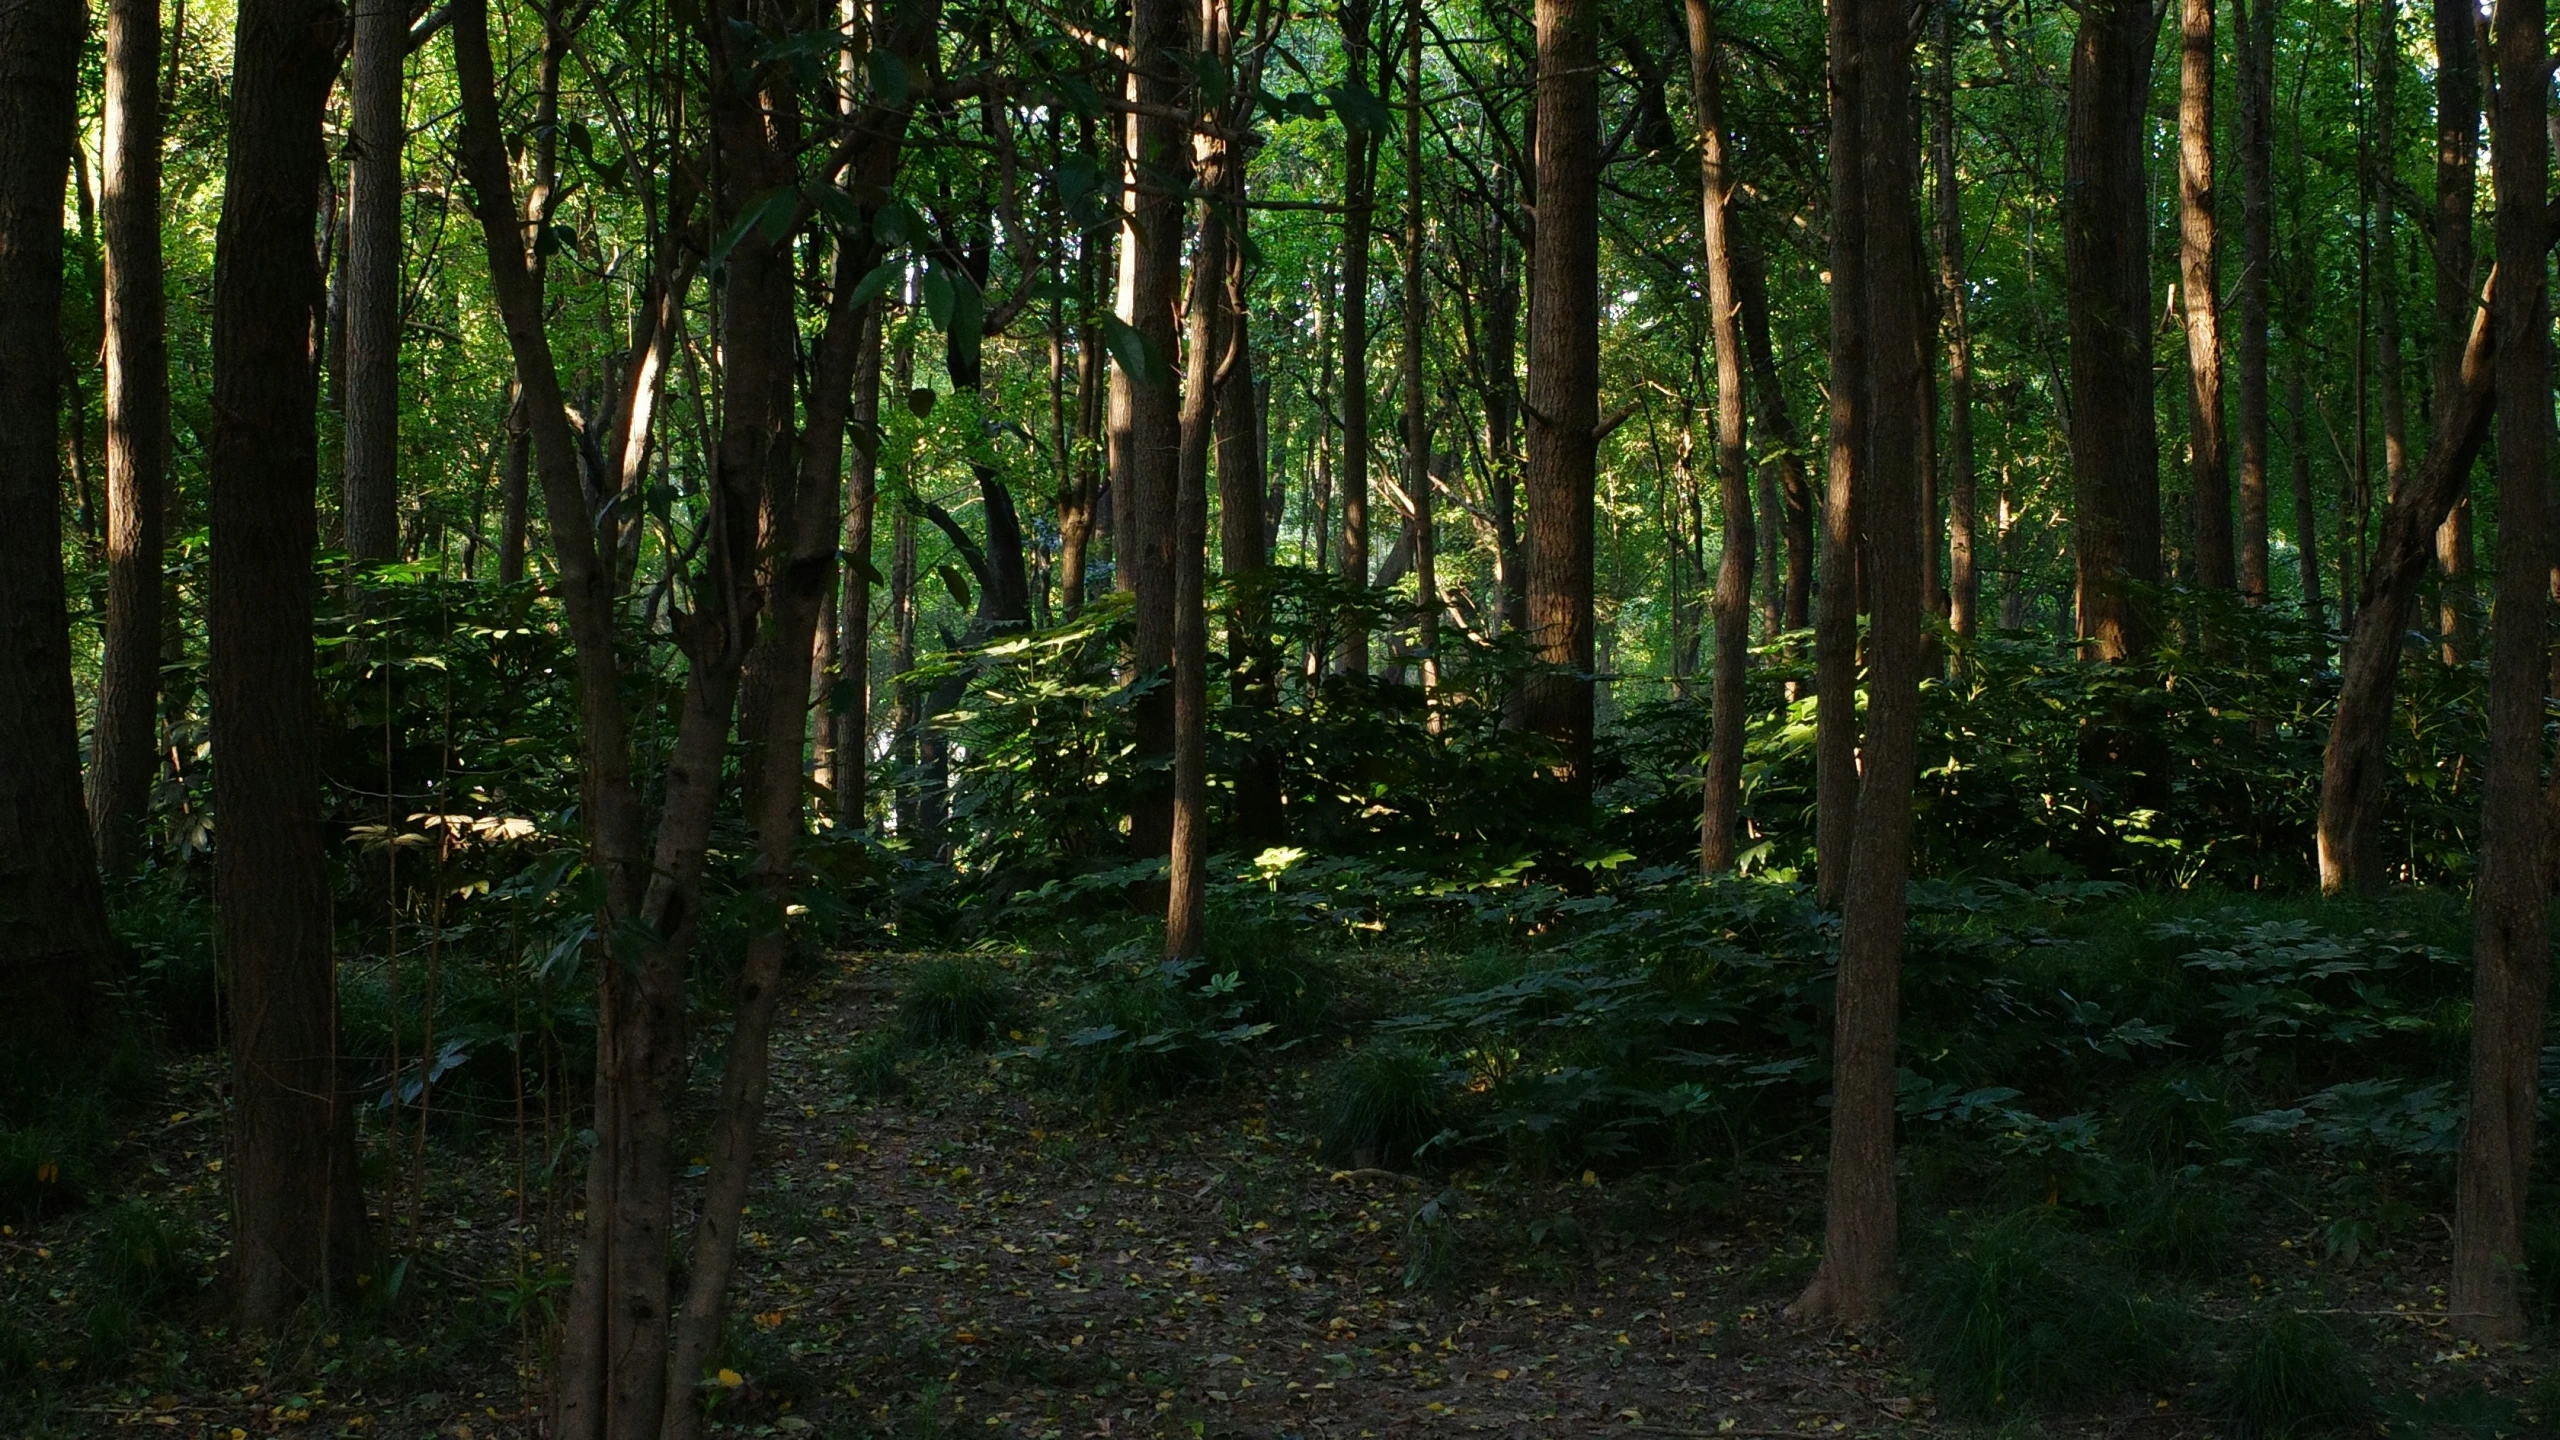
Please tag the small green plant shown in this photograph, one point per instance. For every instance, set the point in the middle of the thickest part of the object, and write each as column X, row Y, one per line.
column 143, row 1259
column 50, row 1167
column 953, row 1002
column 1382, row 1104
column 2291, row 1373
column 2179, row 1223
column 1278, row 982
column 1137, row 1038
column 2179, row 1116
column 871, row 1070
column 2021, row 1311
column 1431, row 1243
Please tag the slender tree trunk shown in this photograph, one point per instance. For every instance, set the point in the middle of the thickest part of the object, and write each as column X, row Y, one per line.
column 1835, row 637
column 1417, row 400
column 2253, row 34
column 53, row 922
column 2355, row 757
column 1359, row 205
column 2386, row 103
column 1964, row 579
column 371, row 385
column 125, row 751
column 2199, row 272
column 1861, row 1218
column 1793, row 519
column 851, row 765
column 1145, row 426
column 515, row 471
column 297, row 1216
column 2510, row 947
column 2114, row 445
column 2306, row 527
column 1244, row 502
column 2457, row 193
column 1502, row 420
column 1564, row 390
column 1723, row 804
column 1186, row 914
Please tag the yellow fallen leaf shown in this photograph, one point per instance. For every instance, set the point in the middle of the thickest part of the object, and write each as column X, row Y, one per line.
column 730, row 1379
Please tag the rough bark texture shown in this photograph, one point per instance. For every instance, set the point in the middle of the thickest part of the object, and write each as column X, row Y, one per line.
column 370, row 394
column 2457, row 194
column 2355, row 759
column 2253, row 35
column 1186, row 912
column 1779, row 449
column 124, row 753
column 1243, row 546
column 850, row 766
column 2106, row 256
column 1861, row 1218
column 1359, row 205
column 298, row 1219
column 1835, row 636
column 1417, row 399
column 1145, row 425
column 1564, row 389
column 2200, row 298
column 2306, row 517
column 1964, row 576
column 2510, row 949
column 1732, row 602
column 53, row 923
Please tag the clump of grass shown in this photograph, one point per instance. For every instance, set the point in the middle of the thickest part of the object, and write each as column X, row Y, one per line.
column 2291, row 1373
column 51, row 1166
column 1136, row 1038
column 2021, row 1311
column 2179, row 1223
column 1278, row 983
column 2180, row 1116
column 1383, row 1102
column 871, row 1070
column 953, row 1002
column 141, row 1256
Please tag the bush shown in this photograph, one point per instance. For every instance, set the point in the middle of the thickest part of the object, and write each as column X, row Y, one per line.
column 1383, row 1102
column 871, row 1071
column 1279, row 985
column 2180, row 1116
column 2021, row 1311
column 2292, row 1373
column 1138, row 1038
column 953, row 1002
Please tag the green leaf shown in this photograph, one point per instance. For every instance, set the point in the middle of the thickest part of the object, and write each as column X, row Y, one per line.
column 920, row 400
column 1137, row 358
column 888, row 78
column 875, row 283
column 771, row 211
column 957, row 584
column 937, row 295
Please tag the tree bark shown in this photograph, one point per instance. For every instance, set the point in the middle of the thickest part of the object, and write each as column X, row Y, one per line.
column 1243, row 502
column 1793, row 519
column 1417, row 400
column 53, row 923
column 1145, row 425
column 298, row 1218
column 850, row 766
column 2306, row 518
column 1723, row 804
column 1360, row 146
column 125, row 750
column 1186, row 912
column 1564, row 391
column 2510, row 949
column 2253, row 34
column 2386, row 120
column 2199, row 273
column 1964, row 577
column 370, row 390
column 2457, row 193
column 2114, row 443
column 1835, row 636
column 1857, row 1276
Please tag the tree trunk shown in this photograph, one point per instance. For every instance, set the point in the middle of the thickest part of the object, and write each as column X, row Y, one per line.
column 125, row 750
column 1857, row 1275
column 851, row 764
column 1564, row 391
column 1244, row 544
column 2306, row 527
column 1502, row 421
column 1778, row 447
column 2510, row 950
column 1964, row 578
column 2457, row 193
column 297, row 1215
column 1835, row 636
column 1360, row 147
column 2199, row 273
column 2386, row 119
column 2253, row 34
column 1417, row 400
column 1186, row 913
column 1145, row 426
column 53, row 923
column 2114, row 444
column 1723, row 804
column 370, row 392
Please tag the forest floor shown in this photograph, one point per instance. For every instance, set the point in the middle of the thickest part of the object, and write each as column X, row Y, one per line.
column 982, row 1255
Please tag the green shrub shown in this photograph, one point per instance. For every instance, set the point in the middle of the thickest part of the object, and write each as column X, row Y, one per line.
column 2291, row 1373
column 142, row 1258
column 953, row 1002
column 2022, row 1311
column 1278, row 983
column 51, row 1166
column 871, row 1069
column 2179, row 1116
column 1383, row 1102
column 1138, row 1038
column 2180, row 1223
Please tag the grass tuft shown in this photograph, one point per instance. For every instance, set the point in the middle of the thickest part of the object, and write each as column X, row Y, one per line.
column 953, row 1002
column 2291, row 1373
column 2020, row 1311
column 1382, row 1103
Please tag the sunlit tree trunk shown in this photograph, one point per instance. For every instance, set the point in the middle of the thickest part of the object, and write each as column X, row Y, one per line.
column 2200, row 299
column 1835, row 636
column 2510, row 949
column 124, row 754
column 1732, row 602
column 1417, row 400
column 371, row 387
column 1360, row 145
column 1964, row 580
column 1564, row 389
column 53, row 923
column 297, row 1216
column 1186, row 914
column 2457, row 194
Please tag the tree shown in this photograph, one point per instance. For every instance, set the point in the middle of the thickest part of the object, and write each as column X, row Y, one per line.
column 1732, row 601
column 1361, row 142
column 1964, row 580
column 2253, row 37
column 124, row 753
column 1417, row 400
column 1835, row 635
column 2457, row 195
column 1186, row 915
column 2510, row 943
column 297, row 1214
column 2106, row 254
column 376, row 186
column 53, row 921
column 2200, row 297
